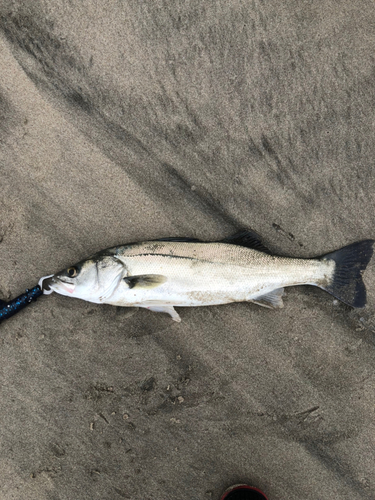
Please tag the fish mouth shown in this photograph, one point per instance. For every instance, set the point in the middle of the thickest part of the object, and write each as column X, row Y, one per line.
column 59, row 285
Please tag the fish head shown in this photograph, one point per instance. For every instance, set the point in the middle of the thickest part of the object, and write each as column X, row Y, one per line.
column 94, row 279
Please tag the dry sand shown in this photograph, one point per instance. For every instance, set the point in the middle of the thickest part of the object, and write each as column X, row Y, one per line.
column 122, row 121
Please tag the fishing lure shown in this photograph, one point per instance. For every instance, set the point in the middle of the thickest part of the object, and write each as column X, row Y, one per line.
column 8, row 309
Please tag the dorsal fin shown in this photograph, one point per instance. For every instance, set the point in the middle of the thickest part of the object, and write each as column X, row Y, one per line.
column 248, row 239
column 181, row 239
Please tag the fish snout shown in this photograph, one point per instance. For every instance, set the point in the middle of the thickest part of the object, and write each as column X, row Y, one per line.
column 59, row 284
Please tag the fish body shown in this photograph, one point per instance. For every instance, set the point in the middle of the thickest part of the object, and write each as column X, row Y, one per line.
column 160, row 275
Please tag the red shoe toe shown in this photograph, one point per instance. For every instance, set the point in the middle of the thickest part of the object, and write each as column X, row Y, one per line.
column 243, row 492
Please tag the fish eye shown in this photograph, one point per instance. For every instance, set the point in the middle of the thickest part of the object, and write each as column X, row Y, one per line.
column 72, row 272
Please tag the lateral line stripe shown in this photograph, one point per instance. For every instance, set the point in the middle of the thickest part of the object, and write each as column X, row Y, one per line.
column 165, row 255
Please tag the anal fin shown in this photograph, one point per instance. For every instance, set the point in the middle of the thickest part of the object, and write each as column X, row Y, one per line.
column 271, row 300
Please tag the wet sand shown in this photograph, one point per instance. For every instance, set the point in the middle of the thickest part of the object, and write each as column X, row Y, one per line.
column 129, row 121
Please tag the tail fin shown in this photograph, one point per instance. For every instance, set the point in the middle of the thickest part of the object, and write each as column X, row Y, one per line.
column 351, row 261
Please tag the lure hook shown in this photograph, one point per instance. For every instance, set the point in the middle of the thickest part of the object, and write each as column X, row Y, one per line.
column 40, row 284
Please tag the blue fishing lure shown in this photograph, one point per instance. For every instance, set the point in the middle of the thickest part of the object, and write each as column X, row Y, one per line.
column 8, row 309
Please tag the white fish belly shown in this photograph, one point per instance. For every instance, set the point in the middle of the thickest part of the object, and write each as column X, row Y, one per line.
column 193, row 282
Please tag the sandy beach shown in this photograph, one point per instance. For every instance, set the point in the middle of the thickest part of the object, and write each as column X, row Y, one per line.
column 130, row 121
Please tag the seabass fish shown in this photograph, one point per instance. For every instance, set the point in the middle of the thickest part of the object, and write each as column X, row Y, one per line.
column 162, row 274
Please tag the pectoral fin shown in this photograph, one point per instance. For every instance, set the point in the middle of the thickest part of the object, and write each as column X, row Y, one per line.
column 272, row 300
column 145, row 280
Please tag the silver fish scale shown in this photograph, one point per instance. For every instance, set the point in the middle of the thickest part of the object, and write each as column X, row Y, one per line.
column 159, row 275
column 214, row 273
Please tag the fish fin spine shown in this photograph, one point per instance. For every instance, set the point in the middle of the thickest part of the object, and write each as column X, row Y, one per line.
column 180, row 239
column 248, row 239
